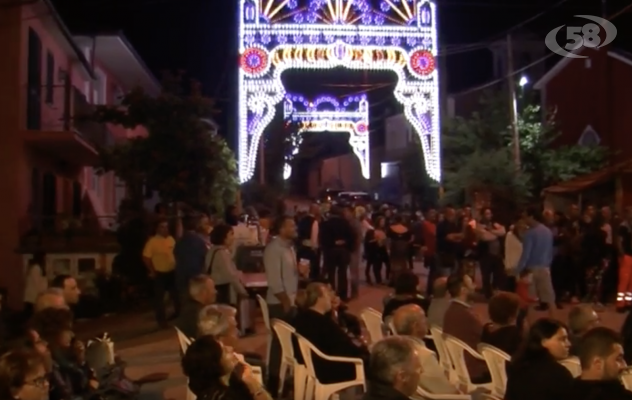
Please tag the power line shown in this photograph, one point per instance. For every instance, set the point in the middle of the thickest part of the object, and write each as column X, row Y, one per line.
column 491, row 40
column 536, row 62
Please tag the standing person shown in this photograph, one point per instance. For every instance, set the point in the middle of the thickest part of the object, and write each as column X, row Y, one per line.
column 279, row 259
column 593, row 256
column 537, row 255
column 221, row 266
column 375, row 251
column 624, row 246
column 429, row 248
column 356, row 251
column 189, row 252
column 338, row 241
column 399, row 244
column 36, row 282
column 608, row 225
column 489, row 234
column 513, row 252
column 308, row 228
column 161, row 263
column 449, row 237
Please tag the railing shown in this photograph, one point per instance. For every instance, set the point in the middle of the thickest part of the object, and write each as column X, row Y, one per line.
column 58, row 108
column 67, row 233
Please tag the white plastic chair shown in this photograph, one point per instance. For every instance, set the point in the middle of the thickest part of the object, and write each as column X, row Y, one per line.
column 424, row 395
column 185, row 342
column 285, row 332
column 572, row 364
column 324, row 391
column 496, row 360
column 456, row 349
column 626, row 379
column 444, row 358
column 373, row 321
column 266, row 320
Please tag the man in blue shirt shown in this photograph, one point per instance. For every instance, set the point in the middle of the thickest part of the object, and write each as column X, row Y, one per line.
column 537, row 255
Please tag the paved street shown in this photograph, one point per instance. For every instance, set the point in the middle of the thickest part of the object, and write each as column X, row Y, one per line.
column 148, row 351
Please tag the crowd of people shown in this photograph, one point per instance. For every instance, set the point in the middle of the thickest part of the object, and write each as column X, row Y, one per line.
column 313, row 262
column 42, row 358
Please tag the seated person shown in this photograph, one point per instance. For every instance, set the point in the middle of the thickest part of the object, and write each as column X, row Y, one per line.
column 502, row 332
column 54, row 326
column 202, row 293
column 23, row 375
column 601, row 355
column 315, row 325
column 463, row 323
column 535, row 371
column 581, row 319
column 214, row 373
column 219, row 321
column 406, row 292
column 439, row 302
column 410, row 320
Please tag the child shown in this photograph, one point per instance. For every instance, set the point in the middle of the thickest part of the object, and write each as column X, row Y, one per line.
column 523, row 291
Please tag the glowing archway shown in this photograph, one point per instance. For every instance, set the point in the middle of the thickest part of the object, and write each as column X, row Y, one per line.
column 327, row 113
column 397, row 35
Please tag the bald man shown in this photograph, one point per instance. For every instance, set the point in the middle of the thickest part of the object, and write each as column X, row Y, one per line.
column 439, row 303
column 50, row 298
column 410, row 320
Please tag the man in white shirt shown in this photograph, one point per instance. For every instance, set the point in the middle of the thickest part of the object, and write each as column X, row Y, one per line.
column 410, row 320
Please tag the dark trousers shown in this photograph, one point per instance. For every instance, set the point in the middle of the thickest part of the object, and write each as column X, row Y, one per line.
column 336, row 262
column 312, row 255
column 165, row 282
column 560, row 276
column 492, row 272
column 274, row 364
column 430, row 263
column 374, row 262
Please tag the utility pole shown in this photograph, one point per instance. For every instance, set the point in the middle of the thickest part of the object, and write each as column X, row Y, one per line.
column 262, row 162
column 513, row 112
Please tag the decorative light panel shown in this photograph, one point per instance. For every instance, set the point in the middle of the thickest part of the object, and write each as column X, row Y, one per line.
column 328, row 114
column 395, row 35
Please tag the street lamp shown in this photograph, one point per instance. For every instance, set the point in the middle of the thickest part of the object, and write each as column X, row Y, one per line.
column 523, row 81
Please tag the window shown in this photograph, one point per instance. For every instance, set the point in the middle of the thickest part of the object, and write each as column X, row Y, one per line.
column 589, row 137
column 50, row 78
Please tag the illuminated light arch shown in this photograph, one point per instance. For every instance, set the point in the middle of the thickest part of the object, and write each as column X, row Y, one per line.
column 327, row 113
column 395, row 35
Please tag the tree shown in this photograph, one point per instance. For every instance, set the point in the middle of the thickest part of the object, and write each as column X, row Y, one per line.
column 179, row 157
column 478, row 152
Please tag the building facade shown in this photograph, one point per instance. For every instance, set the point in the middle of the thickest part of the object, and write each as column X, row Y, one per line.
column 49, row 79
column 591, row 100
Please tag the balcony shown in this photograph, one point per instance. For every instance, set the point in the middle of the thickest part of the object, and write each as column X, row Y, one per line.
column 55, row 125
column 67, row 234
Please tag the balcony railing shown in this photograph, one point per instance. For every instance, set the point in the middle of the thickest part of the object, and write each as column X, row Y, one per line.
column 63, row 109
column 68, row 233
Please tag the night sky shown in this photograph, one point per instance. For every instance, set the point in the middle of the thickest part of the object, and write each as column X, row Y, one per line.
column 199, row 36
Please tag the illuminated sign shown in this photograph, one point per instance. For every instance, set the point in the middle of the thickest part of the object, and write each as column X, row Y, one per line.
column 395, row 35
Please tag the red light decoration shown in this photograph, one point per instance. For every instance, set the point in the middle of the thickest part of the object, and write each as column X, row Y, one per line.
column 362, row 128
column 254, row 60
column 422, row 62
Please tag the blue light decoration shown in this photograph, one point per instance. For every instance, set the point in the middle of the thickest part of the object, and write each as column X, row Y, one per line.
column 329, row 114
column 395, row 35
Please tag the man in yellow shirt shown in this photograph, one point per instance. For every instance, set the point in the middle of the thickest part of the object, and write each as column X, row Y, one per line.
column 161, row 263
